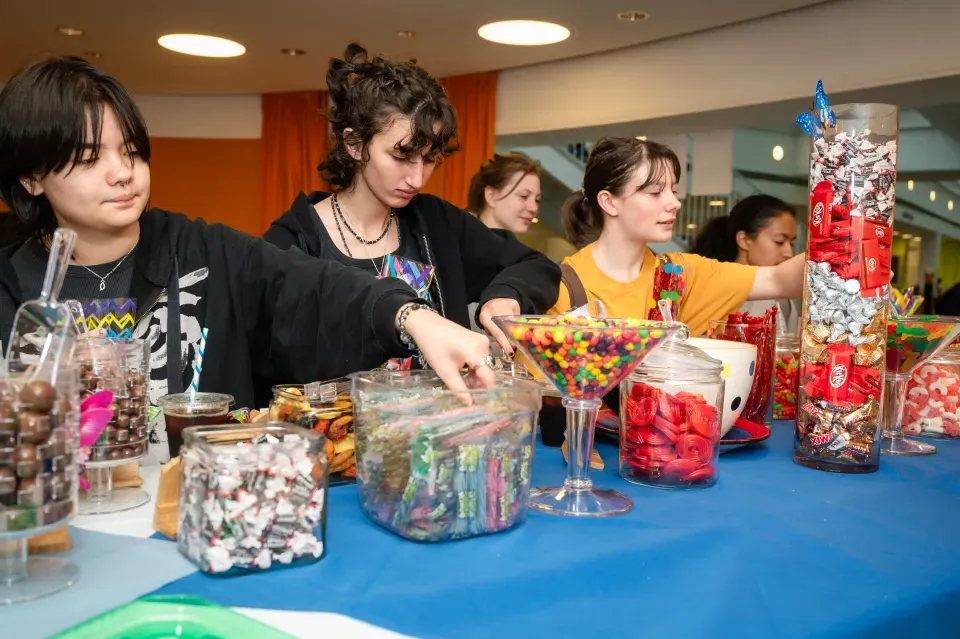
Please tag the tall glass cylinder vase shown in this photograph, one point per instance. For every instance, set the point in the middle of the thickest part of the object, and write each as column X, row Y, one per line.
column 853, row 169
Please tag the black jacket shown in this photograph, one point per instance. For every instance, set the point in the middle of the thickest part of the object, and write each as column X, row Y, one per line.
column 272, row 316
column 472, row 264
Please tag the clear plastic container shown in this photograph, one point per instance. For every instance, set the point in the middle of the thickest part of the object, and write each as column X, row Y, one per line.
column 325, row 408
column 932, row 406
column 252, row 497
column 183, row 410
column 786, row 377
column 670, row 419
column 163, row 617
column 432, row 466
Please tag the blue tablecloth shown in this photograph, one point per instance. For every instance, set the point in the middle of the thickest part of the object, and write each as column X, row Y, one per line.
column 773, row 550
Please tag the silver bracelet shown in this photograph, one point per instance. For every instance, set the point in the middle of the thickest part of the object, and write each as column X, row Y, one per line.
column 405, row 338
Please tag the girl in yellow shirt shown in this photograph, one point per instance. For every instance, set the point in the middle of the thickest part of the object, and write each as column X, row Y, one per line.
column 628, row 200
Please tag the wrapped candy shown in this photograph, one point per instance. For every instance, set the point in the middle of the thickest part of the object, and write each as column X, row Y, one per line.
column 786, row 377
column 252, row 497
column 932, row 406
column 843, row 326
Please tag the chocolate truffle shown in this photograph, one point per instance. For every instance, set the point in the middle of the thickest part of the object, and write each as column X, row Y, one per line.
column 25, row 457
column 39, row 395
column 34, row 427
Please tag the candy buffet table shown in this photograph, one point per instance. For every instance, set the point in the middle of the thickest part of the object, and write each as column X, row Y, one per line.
column 772, row 550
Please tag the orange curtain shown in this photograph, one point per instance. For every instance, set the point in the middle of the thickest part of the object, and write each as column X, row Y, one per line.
column 474, row 96
column 294, row 141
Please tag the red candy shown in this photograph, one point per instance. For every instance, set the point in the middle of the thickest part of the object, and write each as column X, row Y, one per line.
column 761, row 332
column 932, row 406
column 669, row 440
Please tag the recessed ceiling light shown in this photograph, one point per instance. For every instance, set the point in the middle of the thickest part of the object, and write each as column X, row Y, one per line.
column 410, row 35
column 92, row 54
column 907, row 236
column 632, row 16
column 933, row 196
column 293, row 53
column 950, row 205
column 909, row 185
column 201, row 45
column 535, row 220
column 70, row 31
column 524, row 32
column 717, row 203
column 778, row 153
column 691, row 226
column 642, row 138
column 917, row 239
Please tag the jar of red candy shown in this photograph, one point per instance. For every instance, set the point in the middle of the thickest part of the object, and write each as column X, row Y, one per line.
column 786, row 377
column 932, row 406
column 670, row 419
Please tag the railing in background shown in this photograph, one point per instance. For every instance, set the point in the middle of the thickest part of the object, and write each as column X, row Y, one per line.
column 579, row 151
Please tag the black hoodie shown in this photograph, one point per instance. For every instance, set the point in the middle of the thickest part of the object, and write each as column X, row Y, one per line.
column 272, row 316
column 472, row 263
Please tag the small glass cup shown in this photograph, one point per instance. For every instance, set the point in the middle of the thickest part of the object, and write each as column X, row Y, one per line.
column 183, row 410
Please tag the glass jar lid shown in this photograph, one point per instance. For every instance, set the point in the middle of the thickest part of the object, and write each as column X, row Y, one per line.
column 788, row 341
column 676, row 359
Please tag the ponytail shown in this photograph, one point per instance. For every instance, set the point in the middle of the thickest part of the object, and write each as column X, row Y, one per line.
column 579, row 220
column 716, row 240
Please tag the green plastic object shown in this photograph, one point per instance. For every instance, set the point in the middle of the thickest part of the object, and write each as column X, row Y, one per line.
column 172, row 617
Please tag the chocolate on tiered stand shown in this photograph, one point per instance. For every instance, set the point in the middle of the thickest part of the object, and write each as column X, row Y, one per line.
column 121, row 367
column 843, row 328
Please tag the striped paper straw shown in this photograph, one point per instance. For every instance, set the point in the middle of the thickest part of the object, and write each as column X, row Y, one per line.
column 198, row 362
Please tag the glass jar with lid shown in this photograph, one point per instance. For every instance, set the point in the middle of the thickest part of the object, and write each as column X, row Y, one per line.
column 786, row 377
column 670, row 410
column 932, row 405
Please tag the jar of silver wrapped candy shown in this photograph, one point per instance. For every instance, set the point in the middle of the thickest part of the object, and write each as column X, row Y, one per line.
column 252, row 497
column 435, row 465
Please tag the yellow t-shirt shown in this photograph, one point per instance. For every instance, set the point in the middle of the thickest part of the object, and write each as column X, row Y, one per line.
column 713, row 289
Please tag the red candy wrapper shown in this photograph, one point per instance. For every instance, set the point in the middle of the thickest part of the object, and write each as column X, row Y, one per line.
column 761, row 331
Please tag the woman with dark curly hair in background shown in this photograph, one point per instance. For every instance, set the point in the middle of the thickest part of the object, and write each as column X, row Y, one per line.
column 392, row 125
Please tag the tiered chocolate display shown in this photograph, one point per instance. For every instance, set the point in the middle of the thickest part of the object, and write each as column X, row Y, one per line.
column 843, row 328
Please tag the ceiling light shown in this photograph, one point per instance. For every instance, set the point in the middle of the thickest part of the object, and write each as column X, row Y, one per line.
column 916, row 239
column 642, row 138
column 778, row 153
column 92, row 54
column 949, row 205
column 293, row 53
column 717, row 203
column 909, row 185
column 535, row 220
column 201, row 45
column 691, row 226
column 407, row 34
column 933, row 196
column 70, row 31
column 632, row 16
column 907, row 236
column 524, row 32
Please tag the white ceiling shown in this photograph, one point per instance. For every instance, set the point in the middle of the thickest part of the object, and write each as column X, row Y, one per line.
column 446, row 43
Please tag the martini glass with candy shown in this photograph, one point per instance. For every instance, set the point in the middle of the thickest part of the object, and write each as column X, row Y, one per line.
column 911, row 341
column 584, row 358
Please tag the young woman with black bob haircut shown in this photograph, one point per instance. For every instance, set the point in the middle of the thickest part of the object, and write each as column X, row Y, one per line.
column 75, row 153
column 392, row 125
column 760, row 230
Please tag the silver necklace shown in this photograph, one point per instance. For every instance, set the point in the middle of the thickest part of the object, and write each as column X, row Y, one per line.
column 103, row 279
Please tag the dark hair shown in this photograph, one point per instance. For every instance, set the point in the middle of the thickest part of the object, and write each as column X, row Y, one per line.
column 365, row 96
column 718, row 239
column 45, row 111
column 611, row 164
column 495, row 173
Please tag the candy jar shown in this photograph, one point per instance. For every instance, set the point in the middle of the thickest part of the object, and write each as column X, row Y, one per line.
column 39, row 411
column 786, row 377
column 853, row 167
column 325, row 408
column 120, row 366
column 434, row 467
column 584, row 358
column 670, row 419
column 932, row 406
column 252, row 497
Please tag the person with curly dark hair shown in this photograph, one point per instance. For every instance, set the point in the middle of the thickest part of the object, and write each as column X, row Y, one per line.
column 393, row 125
column 75, row 154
